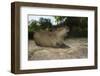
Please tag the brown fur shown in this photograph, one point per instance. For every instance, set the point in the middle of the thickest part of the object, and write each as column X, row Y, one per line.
column 51, row 38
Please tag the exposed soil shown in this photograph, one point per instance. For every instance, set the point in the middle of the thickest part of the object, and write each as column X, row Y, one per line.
column 78, row 49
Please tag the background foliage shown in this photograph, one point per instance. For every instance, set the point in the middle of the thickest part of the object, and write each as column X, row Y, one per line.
column 78, row 25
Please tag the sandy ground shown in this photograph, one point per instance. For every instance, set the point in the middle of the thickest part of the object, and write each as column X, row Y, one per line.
column 78, row 49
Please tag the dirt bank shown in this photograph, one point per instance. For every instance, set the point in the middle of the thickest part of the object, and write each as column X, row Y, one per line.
column 78, row 49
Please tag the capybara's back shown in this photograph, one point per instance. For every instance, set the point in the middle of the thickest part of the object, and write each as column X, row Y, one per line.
column 50, row 38
column 44, row 38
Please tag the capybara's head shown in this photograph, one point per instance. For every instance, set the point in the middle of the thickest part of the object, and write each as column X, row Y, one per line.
column 62, row 31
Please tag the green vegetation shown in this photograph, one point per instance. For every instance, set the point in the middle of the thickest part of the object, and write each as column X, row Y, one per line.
column 78, row 25
column 33, row 26
column 43, row 23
